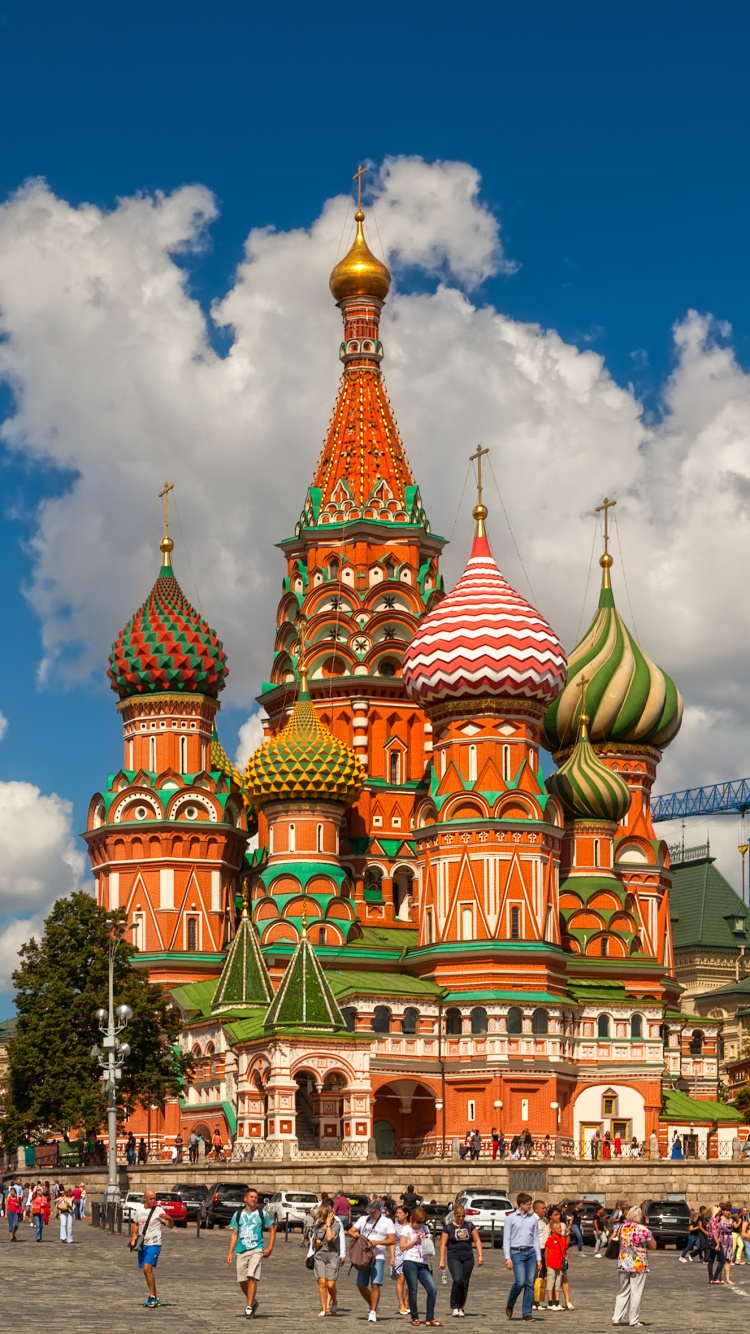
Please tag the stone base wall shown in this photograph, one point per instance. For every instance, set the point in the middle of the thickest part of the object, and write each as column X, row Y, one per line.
column 700, row 1182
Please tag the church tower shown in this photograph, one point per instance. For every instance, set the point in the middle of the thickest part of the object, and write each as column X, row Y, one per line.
column 362, row 568
column 167, row 835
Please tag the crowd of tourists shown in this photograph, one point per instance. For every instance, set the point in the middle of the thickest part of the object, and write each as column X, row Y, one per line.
column 23, row 1202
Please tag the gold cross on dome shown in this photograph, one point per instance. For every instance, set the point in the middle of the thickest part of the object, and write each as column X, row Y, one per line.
column 606, row 506
column 168, row 486
column 478, row 457
column 358, row 178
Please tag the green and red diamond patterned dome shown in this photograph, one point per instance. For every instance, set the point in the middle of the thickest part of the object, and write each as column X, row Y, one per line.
column 167, row 646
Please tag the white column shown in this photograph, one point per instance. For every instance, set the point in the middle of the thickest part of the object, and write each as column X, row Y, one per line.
column 361, row 726
column 216, row 891
column 166, row 888
column 114, row 890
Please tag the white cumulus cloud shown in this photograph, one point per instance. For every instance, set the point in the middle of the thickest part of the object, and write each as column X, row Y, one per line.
column 114, row 377
column 250, row 737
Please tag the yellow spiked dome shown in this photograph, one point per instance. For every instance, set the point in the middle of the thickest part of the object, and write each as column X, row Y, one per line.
column 304, row 761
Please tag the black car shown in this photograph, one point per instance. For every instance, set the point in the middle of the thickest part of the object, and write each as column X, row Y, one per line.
column 222, row 1202
column 193, row 1197
column 668, row 1221
column 434, row 1215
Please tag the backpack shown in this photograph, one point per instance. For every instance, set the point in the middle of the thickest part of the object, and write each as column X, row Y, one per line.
column 361, row 1253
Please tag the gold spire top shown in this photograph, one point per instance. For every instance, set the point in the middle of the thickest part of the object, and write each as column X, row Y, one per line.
column 245, row 897
column 480, row 510
column 359, row 273
column 301, row 623
column 166, row 546
column 583, row 720
column 605, row 560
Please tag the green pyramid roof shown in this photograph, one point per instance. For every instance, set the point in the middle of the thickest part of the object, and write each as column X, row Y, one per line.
column 704, row 908
column 304, row 998
column 244, row 980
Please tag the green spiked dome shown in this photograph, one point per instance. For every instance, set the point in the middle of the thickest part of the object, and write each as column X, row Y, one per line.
column 629, row 699
column 244, row 981
column 167, row 646
column 304, row 761
column 586, row 788
column 304, row 999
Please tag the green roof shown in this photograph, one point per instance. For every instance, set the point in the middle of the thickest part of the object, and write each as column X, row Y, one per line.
column 7, row 1029
column 386, row 938
column 194, row 998
column 679, row 1107
column 304, row 999
column 741, row 988
column 500, row 995
column 244, row 978
column 381, row 984
column 704, row 908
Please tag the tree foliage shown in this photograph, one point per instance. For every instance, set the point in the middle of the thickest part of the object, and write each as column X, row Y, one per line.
column 54, row 1081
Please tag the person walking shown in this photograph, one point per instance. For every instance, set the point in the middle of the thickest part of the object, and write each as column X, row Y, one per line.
column 142, row 1152
column 65, row 1209
column 476, row 1145
column 325, row 1243
column 528, row 1143
column 83, row 1200
column 574, row 1223
column 695, row 1235
column 246, row 1244
column 601, row 1235
column 76, row 1198
column 146, row 1221
column 501, row 1146
column 738, row 1250
column 342, row 1208
column 14, row 1210
column 378, row 1229
column 746, row 1235
column 540, row 1281
column 456, row 1248
column 720, row 1245
column 495, row 1138
column 416, row 1268
column 555, row 1247
column 192, row 1147
column 217, row 1143
column 556, row 1214
column 401, row 1221
column 522, row 1254
column 607, row 1146
column 39, row 1211
column 130, row 1149
column 632, row 1267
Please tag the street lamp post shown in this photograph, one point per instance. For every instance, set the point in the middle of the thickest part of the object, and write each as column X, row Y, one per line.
column 112, row 1021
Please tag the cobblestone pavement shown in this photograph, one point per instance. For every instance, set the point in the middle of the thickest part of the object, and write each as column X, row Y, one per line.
column 95, row 1285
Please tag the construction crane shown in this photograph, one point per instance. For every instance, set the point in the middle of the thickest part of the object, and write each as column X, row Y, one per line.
column 717, row 799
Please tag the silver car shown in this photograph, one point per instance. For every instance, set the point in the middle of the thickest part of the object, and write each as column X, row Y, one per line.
column 483, row 1209
column 293, row 1205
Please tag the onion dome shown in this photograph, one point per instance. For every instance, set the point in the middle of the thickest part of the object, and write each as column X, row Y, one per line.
column 221, row 763
column 166, row 645
column 483, row 639
column 359, row 273
column 304, row 761
column 585, row 787
column 629, row 699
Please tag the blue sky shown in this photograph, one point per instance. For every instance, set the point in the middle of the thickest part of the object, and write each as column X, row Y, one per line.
column 611, row 142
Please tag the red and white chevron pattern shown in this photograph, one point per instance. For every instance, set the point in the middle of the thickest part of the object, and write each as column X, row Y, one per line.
column 484, row 639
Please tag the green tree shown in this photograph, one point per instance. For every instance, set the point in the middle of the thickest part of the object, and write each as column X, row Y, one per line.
column 62, row 979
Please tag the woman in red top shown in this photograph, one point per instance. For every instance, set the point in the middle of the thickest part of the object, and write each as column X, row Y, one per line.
column 15, row 1209
column 555, row 1247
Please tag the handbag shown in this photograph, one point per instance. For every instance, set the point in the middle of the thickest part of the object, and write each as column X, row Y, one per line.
column 613, row 1245
column 538, row 1290
column 428, row 1246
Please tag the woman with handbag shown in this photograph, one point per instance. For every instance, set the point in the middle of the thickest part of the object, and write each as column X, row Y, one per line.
column 416, row 1243
column 456, row 1243
column 65, row 1214
column 397, row 1270
column 39, row 1211
column 326, row 1250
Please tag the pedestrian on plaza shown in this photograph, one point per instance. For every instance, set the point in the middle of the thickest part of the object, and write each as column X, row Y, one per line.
column 676, row 1147
column 325, row 1247
column 55, row 1189
column 146, row 1221
column 192, row 1147
column 342, row 1208
column 416, row 1269
column 401, row 1221
column 217, row 1143
column 720, row 1245
column 596, row 1140
column 410, row 1199
column 2, row 1200
column 738, row 1250
column 540, row 1282
column 130, row 1149
column 574, row 1217
column 634, row 1147
column 14, row 1209
column 466, row 1146
column 522, row 1254
column 76, row 1198
column 555, row 1247
column 746, row 1235
column 501, row 1146
column 379, row 1231
column 556, row 1214
column 495, row 1142
column 246, row 1243
column 27, row 1194
column 515, row 1146
column 83, row 1200
column 65, row 1212
column 179, row 1144
column 528, row 1143
column 142, row 1152
column 607, row 1146
column 476, row 1145
column 632, row 1267
column 456, row 1248
column 547, row 1146
column 39, row 1211
column 618, row 1147
column 601, row 1235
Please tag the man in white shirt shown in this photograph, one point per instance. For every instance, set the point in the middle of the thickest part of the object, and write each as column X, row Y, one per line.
column 379, row 1231
column 145, row 1235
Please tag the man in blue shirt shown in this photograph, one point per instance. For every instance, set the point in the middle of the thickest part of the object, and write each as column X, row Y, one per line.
column 246, row 1241
column 522, row 1254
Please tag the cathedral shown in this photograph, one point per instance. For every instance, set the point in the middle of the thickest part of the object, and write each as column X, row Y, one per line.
column 429, row 936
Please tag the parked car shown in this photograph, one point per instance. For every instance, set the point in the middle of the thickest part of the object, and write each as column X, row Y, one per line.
column 293, row 1205
column 193, row 1197
column 435, row 1216
column 173, row 1205
column 358, row 1204
column 133, row 1197
column 222, row 1202
column 668, row 1221
column 483, row 1208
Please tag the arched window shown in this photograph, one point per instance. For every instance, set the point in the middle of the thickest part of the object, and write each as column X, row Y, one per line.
column 192, row 933
column 394, row 766
column 152, row 753
column 479, row 1019
column 540, row 1021
column 604, row 947
column 472, row 764
column 453, row 1022
column 696, row 1043
column 333, row 568
column 183, row 755
column 350, row 1017
column 381, row 1019
column 320, row 838
column 443, row 762
column 596, row 855
column 602, row 1026
column 409, row 1021
column 506, row 763
column 322, row 935
column 515, row 923
column 514, row 1021
column 390, row 569
column 270, row 839
column 636, row 1026
column 292, row 839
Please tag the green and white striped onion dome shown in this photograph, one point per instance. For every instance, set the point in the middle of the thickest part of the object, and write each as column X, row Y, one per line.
column 585, row 787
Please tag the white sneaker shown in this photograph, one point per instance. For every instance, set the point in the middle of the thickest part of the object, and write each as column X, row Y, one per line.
column 455, row 1313
column 683, row 1259
column 461, row 1311
column 598, row 1256
column 249, row 1312
column 372, row 1316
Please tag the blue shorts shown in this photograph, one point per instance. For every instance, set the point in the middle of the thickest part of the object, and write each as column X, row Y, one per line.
column 374, row 1274
column 148, row 1256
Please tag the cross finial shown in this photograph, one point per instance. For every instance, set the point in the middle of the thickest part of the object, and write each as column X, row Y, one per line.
column 304, row 919
column 166, row 546
column 583, row 681
column 301, row 626
column 358, row 178
column 245, row 897
column 480, row 509
column 606, row 560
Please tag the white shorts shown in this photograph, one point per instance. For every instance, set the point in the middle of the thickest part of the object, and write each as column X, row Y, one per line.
column 248, row 1264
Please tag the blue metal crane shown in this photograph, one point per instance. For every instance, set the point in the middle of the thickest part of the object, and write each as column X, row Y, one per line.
column 717, row 799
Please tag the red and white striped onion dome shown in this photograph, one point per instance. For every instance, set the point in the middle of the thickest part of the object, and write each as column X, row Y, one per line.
column 484, row 639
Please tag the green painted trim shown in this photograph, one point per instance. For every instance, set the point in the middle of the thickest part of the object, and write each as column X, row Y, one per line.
column 226, row 1107
column 176, row 956
column 529, row 997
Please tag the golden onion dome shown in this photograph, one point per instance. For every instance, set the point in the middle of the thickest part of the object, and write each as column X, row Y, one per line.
column 304, row 762
column 359, row 273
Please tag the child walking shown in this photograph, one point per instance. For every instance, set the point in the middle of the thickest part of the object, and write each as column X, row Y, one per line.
column 555, row 1247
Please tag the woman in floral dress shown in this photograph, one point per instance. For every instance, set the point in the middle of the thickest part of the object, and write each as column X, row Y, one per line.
column 635, row 1243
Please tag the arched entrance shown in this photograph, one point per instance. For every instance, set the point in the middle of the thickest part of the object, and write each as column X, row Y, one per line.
column 304, row 1106
column 385, row 1139
column 408, row 1107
